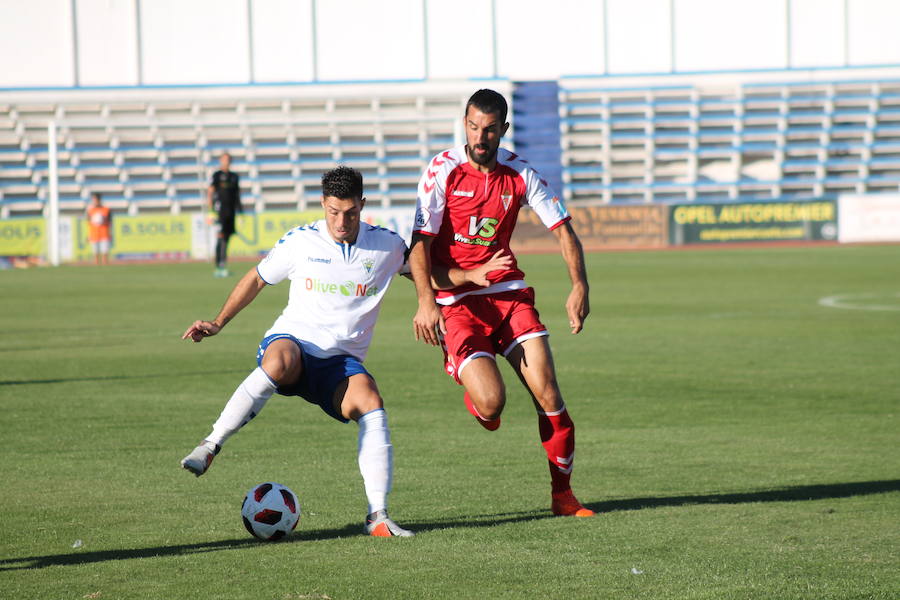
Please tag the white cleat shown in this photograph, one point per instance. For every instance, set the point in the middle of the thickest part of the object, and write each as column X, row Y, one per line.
column 379, row 524
column 198, row 461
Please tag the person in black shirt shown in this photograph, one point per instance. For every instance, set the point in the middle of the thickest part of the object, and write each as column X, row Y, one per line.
column 224, row 198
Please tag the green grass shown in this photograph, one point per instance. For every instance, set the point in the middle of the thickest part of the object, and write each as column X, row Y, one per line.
column 739, row 439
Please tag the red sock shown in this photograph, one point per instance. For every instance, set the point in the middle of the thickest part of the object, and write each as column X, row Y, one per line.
column 558, row 437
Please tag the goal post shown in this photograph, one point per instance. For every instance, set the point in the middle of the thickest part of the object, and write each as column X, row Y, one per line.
column 52, row 211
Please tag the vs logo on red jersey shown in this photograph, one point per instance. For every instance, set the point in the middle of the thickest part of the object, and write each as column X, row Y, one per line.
column 484, row 227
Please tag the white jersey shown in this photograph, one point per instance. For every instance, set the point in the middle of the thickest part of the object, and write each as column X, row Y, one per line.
column 336, row 289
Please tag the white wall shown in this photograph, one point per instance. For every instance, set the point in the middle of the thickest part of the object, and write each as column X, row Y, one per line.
column 194, row 41
column 36, row 43
column 872, row 31
column 133, row 42
column 712, row 35
column 362, row 39
column 282, row 40
column 543, row 40
column 460, row 51
column 107, row 42
column 817, row 33
column 639, row 36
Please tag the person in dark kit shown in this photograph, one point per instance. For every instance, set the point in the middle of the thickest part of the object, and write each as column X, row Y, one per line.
column 224, row 199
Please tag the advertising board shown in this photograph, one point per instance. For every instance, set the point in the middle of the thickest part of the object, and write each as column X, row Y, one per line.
column 599, row 227
column 140, row 237
column 753, row 222
column 23, row 237
column 869, row 218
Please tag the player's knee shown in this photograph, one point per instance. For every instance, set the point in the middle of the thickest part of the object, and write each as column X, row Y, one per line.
column 361, row 404
column 490, row 403
column 282, row 367
column 369, row 403
column 491, row 414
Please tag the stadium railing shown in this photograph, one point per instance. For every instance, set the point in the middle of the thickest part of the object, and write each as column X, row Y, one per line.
column 714, row 141
column 158, row 153
column 703, row 140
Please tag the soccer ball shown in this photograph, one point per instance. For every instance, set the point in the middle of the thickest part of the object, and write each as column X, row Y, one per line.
column 270, row 511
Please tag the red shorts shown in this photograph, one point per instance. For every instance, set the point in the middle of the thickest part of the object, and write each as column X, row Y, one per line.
column 485, row 325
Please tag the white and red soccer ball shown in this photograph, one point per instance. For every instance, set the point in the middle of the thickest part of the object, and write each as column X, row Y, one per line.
column 270, row 511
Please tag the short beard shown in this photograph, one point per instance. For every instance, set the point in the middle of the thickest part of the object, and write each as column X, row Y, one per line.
column 484, row 160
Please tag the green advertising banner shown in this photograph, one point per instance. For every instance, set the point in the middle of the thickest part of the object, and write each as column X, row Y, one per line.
column 142, row 236
column 257, row 233
column 23, row 237
column 753, row 222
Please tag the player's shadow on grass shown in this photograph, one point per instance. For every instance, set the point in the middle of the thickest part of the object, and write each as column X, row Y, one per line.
column 80, row 557
column 112, row 377
column 789, row 494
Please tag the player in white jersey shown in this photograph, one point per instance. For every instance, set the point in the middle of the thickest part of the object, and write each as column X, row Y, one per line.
column 340, row 270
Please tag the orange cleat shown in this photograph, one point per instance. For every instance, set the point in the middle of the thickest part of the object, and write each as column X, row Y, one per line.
column 378, row 524
column 566, row 505
column 489, row 425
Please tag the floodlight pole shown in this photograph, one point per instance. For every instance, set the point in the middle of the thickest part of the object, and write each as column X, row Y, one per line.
column 53, row 205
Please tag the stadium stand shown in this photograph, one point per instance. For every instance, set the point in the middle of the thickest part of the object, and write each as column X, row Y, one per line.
column 153, row 150
column 156, row 153
column 747, row 140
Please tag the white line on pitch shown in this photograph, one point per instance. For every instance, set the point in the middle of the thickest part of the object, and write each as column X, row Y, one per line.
column 853, row 301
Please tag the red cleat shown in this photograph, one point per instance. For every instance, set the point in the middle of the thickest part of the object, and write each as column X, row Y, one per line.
column 489, row 425
column 566, row 505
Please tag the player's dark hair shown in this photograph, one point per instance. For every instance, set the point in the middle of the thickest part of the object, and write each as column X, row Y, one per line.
column 343, row 182
column 489, row 102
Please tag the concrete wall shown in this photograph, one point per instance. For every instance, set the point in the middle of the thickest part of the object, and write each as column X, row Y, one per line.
column 163, row 42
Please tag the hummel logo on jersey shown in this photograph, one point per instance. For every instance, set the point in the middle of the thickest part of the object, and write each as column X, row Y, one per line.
column 469, row 194
column 327, row 261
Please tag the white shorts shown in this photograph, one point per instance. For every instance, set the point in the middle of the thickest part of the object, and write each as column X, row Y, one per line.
column 101, row 247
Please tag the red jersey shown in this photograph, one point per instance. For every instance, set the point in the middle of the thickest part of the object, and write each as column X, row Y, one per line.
column 471, row 215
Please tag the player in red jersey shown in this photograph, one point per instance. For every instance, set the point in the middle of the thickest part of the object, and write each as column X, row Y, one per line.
column 468, row 202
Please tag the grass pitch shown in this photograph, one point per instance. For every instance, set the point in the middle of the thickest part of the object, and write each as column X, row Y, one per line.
column 739, row 438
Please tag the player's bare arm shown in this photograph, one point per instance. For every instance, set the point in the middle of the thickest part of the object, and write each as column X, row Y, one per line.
column 242, row 295
column 445, row 279
column 428, row 321
column 578, row 304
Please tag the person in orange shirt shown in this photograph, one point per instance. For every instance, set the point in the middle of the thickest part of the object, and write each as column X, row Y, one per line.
column 99, row 221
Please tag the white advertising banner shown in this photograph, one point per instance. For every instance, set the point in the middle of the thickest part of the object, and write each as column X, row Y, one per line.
column 869, row 218
column 399, row 220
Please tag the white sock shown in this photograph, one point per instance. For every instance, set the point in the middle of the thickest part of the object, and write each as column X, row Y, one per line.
column 376, row 458
column 246, row 402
